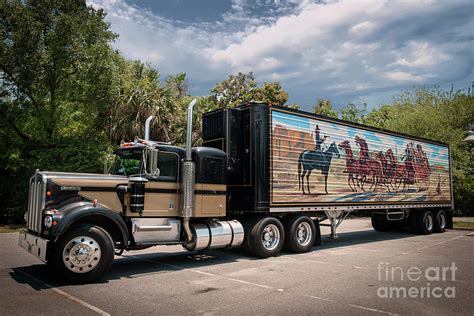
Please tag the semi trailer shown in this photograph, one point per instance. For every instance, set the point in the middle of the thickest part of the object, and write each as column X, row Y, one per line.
column 266, row 178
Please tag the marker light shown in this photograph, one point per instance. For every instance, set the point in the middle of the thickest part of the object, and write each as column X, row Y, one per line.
column 48, row 221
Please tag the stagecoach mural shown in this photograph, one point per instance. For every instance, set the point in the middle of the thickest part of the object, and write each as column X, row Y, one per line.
column 322, row 161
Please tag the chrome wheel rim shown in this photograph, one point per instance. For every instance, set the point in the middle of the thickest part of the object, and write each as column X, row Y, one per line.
column 270, row 237
column 442, row 220
column 81, row 254
column 303, row 234
column 429, row 222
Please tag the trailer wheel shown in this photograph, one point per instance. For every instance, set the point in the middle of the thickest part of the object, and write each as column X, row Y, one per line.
column 266, row 237
column 440, row 222
column 84, row 254
column 425, row 222
column 300, row 234
column 380, row 224
column 412, row 218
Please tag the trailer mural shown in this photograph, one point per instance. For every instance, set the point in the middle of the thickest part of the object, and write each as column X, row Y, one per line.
column 322, row 161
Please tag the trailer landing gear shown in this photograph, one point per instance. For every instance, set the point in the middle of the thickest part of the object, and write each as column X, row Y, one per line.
column 335, row 218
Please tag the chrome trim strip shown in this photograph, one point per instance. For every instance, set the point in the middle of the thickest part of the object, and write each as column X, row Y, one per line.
column 351, row 207
column 36, row 201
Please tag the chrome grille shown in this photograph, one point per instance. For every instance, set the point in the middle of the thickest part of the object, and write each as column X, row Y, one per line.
column 36, row 201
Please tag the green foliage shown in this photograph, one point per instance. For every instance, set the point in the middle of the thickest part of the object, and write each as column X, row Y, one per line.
column 353, row 114
column 55, row 60
column 242, row 88
column 439, row 115
column 57, row 77
column 324, row 107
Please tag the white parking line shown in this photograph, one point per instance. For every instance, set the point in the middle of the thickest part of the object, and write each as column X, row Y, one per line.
column 258, row 285
column 206, row 273
column 66, row 295
column 321, row 298
column 371, row 309
column 429, row 246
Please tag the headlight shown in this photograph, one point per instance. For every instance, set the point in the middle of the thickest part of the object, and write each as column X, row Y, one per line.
column 25, row 217
column 48, row 221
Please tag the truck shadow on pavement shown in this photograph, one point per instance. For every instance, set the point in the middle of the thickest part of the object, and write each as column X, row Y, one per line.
column 130, row 265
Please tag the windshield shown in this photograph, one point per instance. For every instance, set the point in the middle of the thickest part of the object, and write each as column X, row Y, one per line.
column 128, row 161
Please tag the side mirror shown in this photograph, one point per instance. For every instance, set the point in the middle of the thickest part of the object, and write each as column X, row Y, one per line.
column 152, row 163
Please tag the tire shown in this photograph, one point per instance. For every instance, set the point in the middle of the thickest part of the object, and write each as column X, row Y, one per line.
column 380, row 224
column 300, row 234
column 266, row 237
column 412, row 218
column 441, row 219
column 248, row 225
column 425, row 222
column 87, row 267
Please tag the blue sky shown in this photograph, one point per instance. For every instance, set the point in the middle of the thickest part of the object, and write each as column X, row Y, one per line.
column 345, row 51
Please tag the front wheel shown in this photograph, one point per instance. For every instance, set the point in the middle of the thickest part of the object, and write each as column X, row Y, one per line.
column 84, row 254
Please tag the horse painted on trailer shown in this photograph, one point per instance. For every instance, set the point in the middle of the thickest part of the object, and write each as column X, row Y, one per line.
column 315, row 159
column 360, row 170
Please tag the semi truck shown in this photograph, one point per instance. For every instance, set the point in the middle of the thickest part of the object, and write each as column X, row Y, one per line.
column 266, row 178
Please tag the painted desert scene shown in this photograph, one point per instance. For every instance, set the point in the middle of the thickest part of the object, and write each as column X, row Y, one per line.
column 320, row 161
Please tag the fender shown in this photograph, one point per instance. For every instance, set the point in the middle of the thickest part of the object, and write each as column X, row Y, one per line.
column 71, row 213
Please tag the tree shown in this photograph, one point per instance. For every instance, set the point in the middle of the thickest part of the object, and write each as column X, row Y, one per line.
column 55, row 59
column 140, row 96
column 57, row 77
column 271, row 93
column 242, row 88
column 439, row 115
column 324, row 107
column 353, row 114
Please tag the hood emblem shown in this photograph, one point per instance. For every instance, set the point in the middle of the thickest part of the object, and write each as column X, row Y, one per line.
column 67, row 188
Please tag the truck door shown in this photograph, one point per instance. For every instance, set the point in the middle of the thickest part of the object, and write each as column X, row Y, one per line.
column 161, row 194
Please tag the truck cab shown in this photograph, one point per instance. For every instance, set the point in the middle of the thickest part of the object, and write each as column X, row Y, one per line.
column 155, row 194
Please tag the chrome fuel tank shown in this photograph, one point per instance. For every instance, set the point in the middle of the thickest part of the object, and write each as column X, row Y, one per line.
column 216, row 235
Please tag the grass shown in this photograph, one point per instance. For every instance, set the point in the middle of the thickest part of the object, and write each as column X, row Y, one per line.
column 10, row 228
column 460, row 224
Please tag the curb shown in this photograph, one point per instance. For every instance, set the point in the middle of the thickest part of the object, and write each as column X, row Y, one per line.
column 464, row 228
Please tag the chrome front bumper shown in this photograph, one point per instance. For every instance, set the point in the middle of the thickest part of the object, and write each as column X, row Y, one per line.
column 33, row 244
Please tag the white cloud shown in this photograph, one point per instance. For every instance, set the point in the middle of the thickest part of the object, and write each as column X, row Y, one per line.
column 343, row 49
column 421, row 55
column 404, row 76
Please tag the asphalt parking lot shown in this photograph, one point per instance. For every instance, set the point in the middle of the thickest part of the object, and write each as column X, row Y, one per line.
column 362, row 272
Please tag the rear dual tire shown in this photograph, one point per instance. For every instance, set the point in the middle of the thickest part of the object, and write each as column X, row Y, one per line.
column 300, row 234
column 441, row 220
column 427, row 222
column 265, row 237
column 380, row 224
column 423, row 222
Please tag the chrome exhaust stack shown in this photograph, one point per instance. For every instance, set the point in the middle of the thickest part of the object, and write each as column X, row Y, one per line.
column 188, row 176
column 147, row 127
